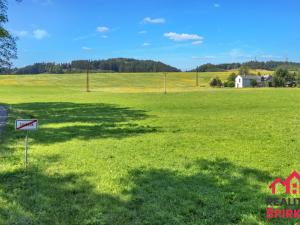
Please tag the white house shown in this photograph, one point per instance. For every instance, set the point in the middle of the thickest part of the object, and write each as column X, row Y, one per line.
column 245, row 81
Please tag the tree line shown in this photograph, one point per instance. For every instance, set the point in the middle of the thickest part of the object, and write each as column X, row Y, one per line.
column 268, row 65
column 133, row 65
column 119, row 65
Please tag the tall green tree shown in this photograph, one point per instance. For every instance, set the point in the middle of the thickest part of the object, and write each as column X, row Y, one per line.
column 232, row 77
column 8, row 49
column 244, row 70
column 298, row 78
column 283, row 77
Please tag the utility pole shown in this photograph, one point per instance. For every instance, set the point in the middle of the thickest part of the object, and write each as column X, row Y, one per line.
column 197, row 77
column 165, row 82
column 88, row 77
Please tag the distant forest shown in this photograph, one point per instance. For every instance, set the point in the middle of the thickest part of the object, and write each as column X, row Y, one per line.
column 126, row 65
column 269, row 65
column 110, row 65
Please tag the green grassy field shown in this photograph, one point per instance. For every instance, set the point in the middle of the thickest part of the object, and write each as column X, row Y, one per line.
column 125, row 153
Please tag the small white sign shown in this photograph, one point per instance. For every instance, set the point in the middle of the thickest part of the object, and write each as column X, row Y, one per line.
column 31, row 124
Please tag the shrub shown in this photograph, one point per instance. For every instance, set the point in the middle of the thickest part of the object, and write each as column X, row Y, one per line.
column 230, row 80
column 253, row 83
column 215, row 82
column 229, row 83
column 267, row 84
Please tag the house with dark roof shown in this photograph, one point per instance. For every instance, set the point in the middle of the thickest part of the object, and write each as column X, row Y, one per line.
column 242, row 81
column 245, row 81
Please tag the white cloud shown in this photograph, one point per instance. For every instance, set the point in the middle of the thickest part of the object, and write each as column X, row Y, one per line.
column 40, row 34
column 21, row 33
column 37, row 33
column 153, row 20
column 217, row 5
column 184, row 37
column 142, row 32
column 146, row 44
column 197, row 42
column 102, row 29
column 86, row 48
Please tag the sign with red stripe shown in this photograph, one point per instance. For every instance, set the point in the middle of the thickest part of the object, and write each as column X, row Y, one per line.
column 31, row 124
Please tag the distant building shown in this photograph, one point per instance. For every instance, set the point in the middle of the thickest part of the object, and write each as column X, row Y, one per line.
column 245, row 81
column 242, row 81
column 266, row 80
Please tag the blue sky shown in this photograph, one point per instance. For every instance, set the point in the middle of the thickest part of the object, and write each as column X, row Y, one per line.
column 182, row 33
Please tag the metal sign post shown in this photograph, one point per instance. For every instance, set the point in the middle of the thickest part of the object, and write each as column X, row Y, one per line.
column 26, row 125
column 26, row 150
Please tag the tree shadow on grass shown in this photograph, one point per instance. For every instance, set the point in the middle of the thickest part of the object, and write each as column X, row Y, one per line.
column 62, row 121
column 215, row 192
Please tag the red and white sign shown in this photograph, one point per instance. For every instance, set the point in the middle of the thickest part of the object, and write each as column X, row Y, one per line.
column 26, row 124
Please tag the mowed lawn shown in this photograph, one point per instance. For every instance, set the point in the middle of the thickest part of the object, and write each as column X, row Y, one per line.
column 125, row 153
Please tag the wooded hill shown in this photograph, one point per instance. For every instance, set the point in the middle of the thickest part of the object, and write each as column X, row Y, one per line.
column 269, row 65
column 109, row 65
column 127, row 65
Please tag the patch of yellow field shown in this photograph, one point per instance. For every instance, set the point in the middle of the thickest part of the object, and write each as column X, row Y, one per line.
column 119, row 82
column 8, row 82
